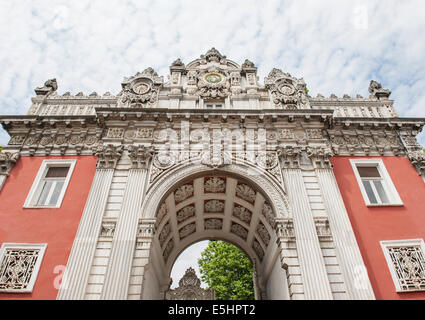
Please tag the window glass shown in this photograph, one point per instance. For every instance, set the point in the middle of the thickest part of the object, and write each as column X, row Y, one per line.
column 369, row 191
column 368, row 172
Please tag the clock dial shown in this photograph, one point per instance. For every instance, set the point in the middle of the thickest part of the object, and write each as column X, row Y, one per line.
column 213, row 78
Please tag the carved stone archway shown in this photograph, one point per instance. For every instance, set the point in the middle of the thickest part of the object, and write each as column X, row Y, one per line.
column 239, row 204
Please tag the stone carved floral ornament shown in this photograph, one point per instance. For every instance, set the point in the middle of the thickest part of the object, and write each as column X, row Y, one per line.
column 287, row 92
column 7, row 161
column 140, row 156
column 108, row 155
column 213, row 83
column 141, row 90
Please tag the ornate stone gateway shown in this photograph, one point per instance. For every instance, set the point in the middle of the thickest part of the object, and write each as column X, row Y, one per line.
column 189, row 289
column 254, row 170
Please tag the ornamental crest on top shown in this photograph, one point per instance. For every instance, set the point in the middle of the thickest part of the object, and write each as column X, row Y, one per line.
column 141, row 90
column 286, row 91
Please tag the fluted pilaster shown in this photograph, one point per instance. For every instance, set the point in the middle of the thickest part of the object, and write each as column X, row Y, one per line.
column 118, row 273
column 315, row 280
column 348, row 252
column 77, row 271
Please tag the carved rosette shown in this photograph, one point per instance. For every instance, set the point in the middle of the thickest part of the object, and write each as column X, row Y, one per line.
column 286, row 91
column 141, row 90
column 140, row 156
column 162, row 161
column 7, row 161
column 108, row 156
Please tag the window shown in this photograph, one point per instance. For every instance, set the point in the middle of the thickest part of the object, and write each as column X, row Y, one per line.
column 214, row 106
column 19, row 266
column 406, row 262
column 375, row 183
column 50, row 184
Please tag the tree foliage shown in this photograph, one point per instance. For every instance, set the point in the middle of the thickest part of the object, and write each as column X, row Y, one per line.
column 227, row 270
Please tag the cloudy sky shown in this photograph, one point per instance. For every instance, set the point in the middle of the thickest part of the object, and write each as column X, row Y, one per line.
column 336, row 46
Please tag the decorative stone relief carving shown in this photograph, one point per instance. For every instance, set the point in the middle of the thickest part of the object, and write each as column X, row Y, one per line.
column 108, row 155
column 189, row 289
column 287, row 92
column 185, row 213
column 214, row 206
column 168, row 248
column 187, row 230
column 162, row 212
column 7, row 161
column 213, row 224
column 17, row 140
column 164, row 233
column 258, row 249
column 108, row 229
column 417, row 158
column 267, row 212
column 140, row 156
column 323, row 229
column 287, row 134
column 245, row 192
column 146, row 229
column 285, row 229
column 238, row 230
column 320, row 156
column 214, row 185
column 290, row 156
column 162, row 161
column 49, row 87
column 215, row 158
column 242, row 214
column 183, row 192
column 115, row 133
column 263, row 233
column 314, row 134
column 141, row 90
column 376, row 90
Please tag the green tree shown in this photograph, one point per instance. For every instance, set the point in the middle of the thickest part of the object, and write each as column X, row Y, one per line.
column 227, row 270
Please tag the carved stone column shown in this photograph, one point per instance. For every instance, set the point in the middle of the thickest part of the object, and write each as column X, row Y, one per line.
column 7, row 161
column 348, row 253
column 123, row 246
column 313, row 271
column 77, row 271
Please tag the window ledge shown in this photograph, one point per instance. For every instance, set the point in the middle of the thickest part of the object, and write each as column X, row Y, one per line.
column 386, row 205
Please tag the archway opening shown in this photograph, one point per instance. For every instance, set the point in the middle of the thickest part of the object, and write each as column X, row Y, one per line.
column 216, row 206
column 217, row 265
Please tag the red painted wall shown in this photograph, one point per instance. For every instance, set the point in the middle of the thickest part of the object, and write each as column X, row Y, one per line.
column 374, row 224
column 56, row 227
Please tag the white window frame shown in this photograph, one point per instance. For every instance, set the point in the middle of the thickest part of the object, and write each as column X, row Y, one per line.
column 399, row 243
column 35, row 191
column 390, row 190
column 25, row 246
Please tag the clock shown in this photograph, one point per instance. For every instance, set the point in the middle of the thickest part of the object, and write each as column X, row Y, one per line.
column 213, row 78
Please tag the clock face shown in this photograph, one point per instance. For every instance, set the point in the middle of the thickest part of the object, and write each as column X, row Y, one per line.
column 141, row 87
column 213, row 78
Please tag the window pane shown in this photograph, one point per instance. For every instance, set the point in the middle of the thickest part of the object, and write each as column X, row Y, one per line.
column 209, row 105
column 218, row 106
column 57, row 172
column 381, row 192
column 56, row 192
column 369, row 191
column 44, row 193
column 368, row 172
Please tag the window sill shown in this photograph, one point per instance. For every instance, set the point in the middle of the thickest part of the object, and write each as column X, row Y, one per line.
column 41, row 207
column 385, row 205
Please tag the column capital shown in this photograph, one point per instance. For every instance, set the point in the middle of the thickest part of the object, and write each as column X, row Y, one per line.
column 320, row 156
column 417, row 158
column 290, row 156
column 140, row 156
column 108, row 155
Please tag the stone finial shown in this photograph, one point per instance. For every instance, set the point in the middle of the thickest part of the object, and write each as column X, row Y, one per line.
column 376, row 90
column 213, row 55
column 49, row 86
column 177, row 63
